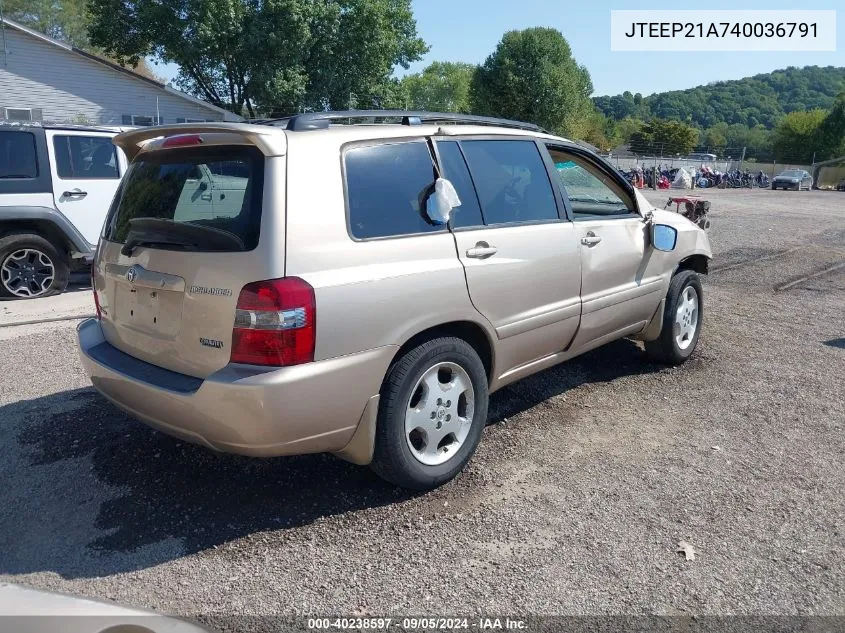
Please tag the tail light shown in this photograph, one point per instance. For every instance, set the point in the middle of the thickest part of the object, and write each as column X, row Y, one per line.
column 94, row 289
column 275, row 323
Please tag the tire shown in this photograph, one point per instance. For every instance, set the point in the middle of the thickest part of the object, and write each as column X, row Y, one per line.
column 666, row 348
column 49, row 276
column 399, row 453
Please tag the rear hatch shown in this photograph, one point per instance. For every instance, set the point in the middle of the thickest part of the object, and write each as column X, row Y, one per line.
column 182, row 237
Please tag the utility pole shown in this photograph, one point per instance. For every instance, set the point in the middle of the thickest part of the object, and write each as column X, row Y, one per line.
column 3, row 37
column 813, row 170
column 742, row 158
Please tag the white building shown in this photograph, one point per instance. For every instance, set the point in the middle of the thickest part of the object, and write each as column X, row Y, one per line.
column 42, row 79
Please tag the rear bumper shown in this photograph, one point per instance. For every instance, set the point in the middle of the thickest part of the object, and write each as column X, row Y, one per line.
column 243, row 409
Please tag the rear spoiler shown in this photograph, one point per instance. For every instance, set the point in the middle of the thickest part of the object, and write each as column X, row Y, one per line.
column 271, row 141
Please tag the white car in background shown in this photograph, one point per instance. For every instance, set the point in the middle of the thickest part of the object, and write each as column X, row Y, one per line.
column 56, row 185
column 27, row 610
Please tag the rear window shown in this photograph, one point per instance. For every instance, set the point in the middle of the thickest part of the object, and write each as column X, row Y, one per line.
column 17, row 155
column 85, row 157
column 217, row 188
column 386, row 187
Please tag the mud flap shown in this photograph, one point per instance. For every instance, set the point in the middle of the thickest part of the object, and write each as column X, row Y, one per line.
column 655, row 325
column 360, row 448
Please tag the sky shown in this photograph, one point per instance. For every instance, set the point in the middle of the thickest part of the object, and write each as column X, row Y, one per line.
column 468, row 31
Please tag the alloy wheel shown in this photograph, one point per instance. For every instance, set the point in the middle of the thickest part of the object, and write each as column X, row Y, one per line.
column 686, row 318
column 439, row 414
column 27, row 272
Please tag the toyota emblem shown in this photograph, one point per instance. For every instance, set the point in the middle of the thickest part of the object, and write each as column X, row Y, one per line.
column 131, row 274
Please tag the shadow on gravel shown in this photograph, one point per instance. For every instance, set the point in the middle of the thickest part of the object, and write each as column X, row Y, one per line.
column 836, row 342
column 157, row 488
column 607, row 363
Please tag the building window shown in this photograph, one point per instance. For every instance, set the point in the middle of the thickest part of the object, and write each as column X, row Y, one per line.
column 140, row 120
column 22, row 114
column 184, row 120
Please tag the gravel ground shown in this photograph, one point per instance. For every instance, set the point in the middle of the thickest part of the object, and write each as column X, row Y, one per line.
column 586, row 479
column 75, row 302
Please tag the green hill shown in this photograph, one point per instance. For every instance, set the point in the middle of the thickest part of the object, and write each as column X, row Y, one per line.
column 758, row 100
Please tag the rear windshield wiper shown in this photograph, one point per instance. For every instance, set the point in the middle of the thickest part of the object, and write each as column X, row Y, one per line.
column 161, row 231
column 134, row 242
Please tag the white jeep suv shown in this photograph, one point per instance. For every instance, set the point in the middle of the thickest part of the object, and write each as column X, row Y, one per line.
column 56, row 184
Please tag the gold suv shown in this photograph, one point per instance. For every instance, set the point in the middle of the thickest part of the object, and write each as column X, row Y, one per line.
column 360, row 282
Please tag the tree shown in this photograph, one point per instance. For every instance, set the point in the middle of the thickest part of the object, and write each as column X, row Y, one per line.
column 66, row 21
column 532, row 76
column 831, row 133
column 63, row 20
column 715, row 138
column 600, row 131
column 663, row 137
column 796, row 136
column 626, row 128
column 441, row 87
column 751, row 102
column 276, row 56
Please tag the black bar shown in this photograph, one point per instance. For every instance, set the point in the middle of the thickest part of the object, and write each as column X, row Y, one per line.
column 322, row 120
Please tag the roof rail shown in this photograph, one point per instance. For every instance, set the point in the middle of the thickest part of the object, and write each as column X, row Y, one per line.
column 322, row 120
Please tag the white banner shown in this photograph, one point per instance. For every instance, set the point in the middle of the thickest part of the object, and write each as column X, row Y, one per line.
column 722, row 30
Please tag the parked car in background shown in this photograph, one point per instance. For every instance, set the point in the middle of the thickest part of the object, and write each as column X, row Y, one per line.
column 362, row 289
column 796, row 179
column 56, row 184
column 29, row 610
column 841, row 185
column 703, row 157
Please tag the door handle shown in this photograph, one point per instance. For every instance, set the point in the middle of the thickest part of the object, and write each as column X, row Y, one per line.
column 206, row 196
column 76, row 193
column 482, row 250
column 590, row 239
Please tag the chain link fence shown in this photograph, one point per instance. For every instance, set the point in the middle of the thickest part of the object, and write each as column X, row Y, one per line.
column 828, row 173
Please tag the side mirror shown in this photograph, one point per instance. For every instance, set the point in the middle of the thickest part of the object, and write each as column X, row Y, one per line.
column 441, row 202
column 664, row 237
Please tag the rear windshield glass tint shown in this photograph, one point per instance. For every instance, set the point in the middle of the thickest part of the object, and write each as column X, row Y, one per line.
column 219, row 188
column 17, row 155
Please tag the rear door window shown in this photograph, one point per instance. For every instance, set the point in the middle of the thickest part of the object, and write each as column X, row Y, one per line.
column 80, row 157
column 212, row 188
column 386, row 187
column 17, row 155
column 511, row 179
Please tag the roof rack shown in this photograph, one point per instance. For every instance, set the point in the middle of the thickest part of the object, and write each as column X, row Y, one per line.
column 322, row 120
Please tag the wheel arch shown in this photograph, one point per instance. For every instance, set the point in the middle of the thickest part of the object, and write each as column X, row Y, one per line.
column 470, row 331
column 49, row 223
column 698, row 263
